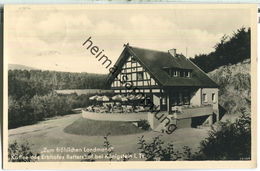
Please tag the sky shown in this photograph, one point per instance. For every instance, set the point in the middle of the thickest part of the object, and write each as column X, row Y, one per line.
column 51, row 37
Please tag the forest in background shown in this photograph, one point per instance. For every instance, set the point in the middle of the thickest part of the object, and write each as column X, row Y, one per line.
column 31, row 95
column 230, row 50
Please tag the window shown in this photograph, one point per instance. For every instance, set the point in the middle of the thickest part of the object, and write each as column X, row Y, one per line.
column 178, row 72
column 187, row 73
column 174, row 99
column 180, row 98
column 174, row 73
column 204, row 98
column 213, row 97
column 186, row 98
column 140, row 75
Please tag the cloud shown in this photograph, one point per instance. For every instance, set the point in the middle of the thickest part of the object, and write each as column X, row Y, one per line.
column 53, row 35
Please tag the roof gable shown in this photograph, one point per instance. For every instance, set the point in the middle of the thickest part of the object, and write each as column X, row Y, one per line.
column 156, row 61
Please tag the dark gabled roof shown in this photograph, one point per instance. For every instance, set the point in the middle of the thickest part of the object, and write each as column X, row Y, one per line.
column 156, row 62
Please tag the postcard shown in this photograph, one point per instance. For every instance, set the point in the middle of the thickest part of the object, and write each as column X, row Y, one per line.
column 104, row 86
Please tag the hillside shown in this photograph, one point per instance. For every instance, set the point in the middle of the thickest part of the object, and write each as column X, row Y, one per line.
column 20, row 67
column 235, row 89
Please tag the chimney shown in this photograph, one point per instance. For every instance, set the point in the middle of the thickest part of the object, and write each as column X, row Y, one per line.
column 172, row 52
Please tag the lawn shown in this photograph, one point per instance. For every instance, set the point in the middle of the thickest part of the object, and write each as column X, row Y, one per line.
column 50, row 134
column 84, row 126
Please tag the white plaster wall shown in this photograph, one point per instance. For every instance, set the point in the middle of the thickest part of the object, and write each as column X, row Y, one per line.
column 209, row 92
column 129, row 117
column 196, row 98
column 156, row 100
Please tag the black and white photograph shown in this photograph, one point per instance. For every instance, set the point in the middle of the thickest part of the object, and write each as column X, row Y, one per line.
column 110, row 85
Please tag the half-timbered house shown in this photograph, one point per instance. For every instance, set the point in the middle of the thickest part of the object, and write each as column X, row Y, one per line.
column 168, row 79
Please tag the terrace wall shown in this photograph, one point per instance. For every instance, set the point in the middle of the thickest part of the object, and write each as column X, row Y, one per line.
column 126, row 117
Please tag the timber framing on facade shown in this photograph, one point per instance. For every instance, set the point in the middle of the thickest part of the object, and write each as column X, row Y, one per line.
column 168, row 79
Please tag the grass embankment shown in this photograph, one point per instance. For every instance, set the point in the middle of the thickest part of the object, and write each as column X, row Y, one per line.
column 89, row 127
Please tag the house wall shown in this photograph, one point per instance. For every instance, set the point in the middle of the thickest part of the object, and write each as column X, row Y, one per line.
column 209, row 92
column 196, row 97
column 156, row 100
column 130, row 117
column 133, row 72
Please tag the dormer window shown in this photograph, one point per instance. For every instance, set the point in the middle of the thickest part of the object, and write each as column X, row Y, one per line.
column 173, row 72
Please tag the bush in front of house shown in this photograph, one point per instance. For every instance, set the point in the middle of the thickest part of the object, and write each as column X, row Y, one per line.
column 143, row 124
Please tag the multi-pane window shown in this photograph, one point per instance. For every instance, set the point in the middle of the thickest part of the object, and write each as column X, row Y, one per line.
column 186, row 98
column 180, row 98
column 177, row 72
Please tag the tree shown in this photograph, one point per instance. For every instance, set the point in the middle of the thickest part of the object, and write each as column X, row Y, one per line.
column 230, row 50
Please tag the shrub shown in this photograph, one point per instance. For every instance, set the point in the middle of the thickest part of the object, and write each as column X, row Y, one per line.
column 230, row 141
column 108, row 147
column 157, row 151
column 21, row 153
column 144, row 125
